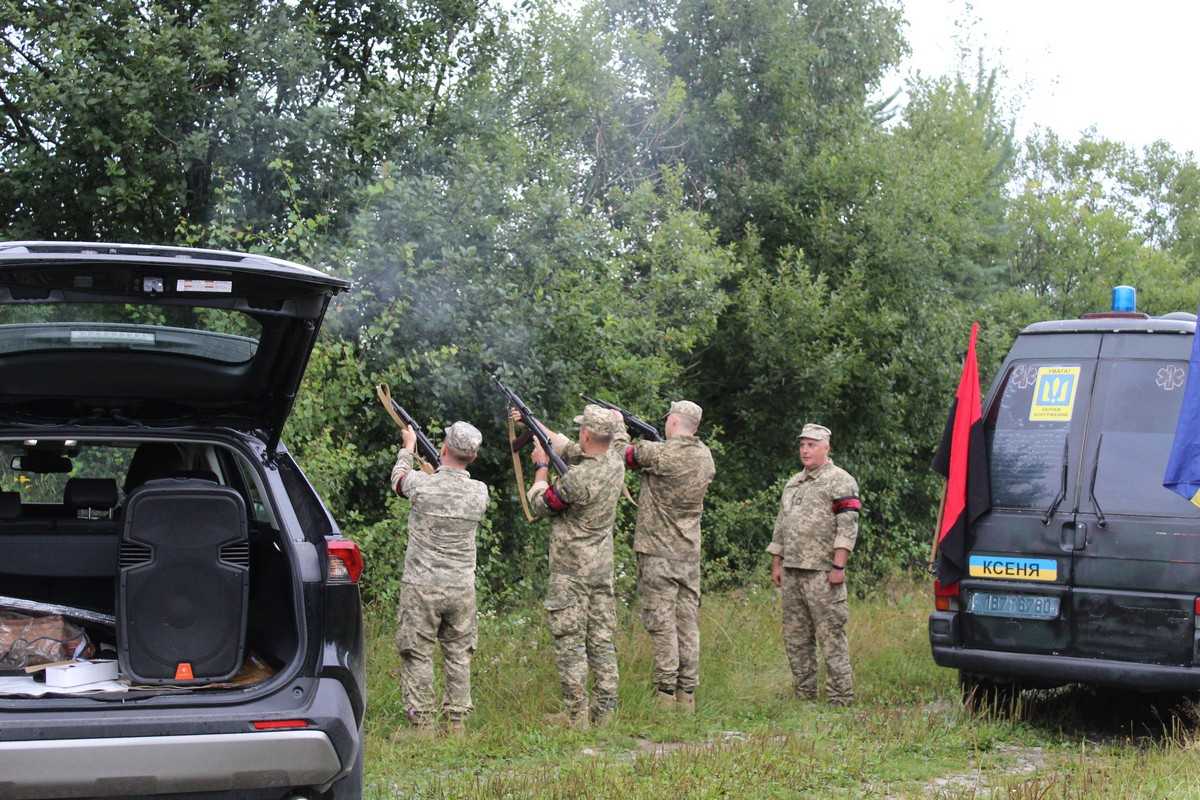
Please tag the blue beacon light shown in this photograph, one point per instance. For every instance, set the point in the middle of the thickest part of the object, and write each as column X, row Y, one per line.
column 1124, row 298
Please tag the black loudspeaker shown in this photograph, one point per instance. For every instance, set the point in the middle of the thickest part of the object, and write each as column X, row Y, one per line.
column 184, row 578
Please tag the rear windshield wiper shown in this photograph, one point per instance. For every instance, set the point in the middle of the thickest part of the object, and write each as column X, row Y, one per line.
column 1062, row 489
column 1100, row 520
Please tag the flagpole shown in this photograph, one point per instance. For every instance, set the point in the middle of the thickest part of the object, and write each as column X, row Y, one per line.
column 937, row 529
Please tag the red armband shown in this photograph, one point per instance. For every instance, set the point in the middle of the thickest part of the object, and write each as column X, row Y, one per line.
column 630, row 461
column 553, row 501
column 843, row 504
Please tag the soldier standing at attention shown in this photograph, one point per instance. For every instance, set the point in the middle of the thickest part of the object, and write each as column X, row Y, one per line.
column 580, row 604
column 814, row 535
column 675, row 476
column 437, row 594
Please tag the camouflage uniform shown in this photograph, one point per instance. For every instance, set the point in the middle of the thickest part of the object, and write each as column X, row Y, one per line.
column 675, row 475
column 580, row 604
column 818, row 514
column 437, row 595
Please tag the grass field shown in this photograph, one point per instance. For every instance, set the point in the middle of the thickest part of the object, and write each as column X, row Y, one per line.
column 907, row 736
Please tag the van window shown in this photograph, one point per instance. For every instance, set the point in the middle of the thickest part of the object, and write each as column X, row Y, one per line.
column 1027, row 428
column 1138, row 403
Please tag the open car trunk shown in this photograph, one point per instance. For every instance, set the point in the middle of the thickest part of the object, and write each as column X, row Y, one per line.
column 138, row 378
column 78, row 580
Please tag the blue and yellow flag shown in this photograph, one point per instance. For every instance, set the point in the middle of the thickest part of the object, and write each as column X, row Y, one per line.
column 1183, row 468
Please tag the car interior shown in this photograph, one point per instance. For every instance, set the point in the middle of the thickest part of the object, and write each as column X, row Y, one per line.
column 64, row 532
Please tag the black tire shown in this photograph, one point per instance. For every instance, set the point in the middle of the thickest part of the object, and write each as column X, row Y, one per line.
column 351, row 786
column 987, row 695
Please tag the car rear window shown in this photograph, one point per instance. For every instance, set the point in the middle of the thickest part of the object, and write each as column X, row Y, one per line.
column 1028, row 428
column 211, row 333
column 1138, row 404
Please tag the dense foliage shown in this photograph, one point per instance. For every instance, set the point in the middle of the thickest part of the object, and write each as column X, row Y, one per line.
column 643, row 201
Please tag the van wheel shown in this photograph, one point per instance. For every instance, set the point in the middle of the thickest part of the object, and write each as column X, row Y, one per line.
column 351, row 786
column 981, row 693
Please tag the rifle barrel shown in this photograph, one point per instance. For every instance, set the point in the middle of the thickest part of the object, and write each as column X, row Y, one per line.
column 533, row 426
column 635, row 423
column 424, row 445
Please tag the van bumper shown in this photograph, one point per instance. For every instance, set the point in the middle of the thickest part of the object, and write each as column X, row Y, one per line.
column 1047, row 670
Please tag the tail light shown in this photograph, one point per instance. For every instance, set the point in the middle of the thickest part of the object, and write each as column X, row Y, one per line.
column 279, row 724
column 945, row 598
column 1196, row 608
column 345, row 561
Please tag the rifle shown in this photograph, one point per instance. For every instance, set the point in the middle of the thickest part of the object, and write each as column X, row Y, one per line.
column 532, row 426
column 425, row 449
column 637, row 426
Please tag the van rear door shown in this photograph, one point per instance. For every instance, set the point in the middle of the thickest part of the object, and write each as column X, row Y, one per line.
column 1138, row 574
column 1016, row 597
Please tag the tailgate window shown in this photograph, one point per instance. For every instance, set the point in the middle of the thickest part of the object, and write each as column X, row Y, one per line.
column 1138, row 403
column 215, row 334
column 1031, row 431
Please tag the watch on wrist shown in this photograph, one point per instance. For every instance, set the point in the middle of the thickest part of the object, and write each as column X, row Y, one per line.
column 835, row 566
column 536, row 465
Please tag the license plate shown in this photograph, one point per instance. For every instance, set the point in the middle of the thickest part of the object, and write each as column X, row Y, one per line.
column 1022, row 606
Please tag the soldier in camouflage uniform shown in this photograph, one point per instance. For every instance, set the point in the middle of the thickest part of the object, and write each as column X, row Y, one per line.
column 675, row 476
column 814, row 535
column 580, row 603
column 437, row 594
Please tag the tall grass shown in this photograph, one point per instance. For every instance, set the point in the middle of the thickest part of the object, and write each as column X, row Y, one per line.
column 907, row 735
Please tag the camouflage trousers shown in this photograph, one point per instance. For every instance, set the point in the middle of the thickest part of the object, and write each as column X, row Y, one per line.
column 814, row 612
column 669, row 595
column 430, row 615
column 582, row 615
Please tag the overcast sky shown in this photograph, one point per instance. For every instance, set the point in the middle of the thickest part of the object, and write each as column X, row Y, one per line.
column 1128, row 68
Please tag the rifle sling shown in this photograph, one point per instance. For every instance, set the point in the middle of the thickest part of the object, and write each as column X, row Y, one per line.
column 384, row 393
column 518, row 470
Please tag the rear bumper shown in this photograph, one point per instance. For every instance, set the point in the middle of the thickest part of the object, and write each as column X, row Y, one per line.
column 135, row 765
column 129, row 752
column 1048, row 670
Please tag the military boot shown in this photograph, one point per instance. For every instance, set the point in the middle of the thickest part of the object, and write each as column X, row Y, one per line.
column 420, row 726
column 577, row 720
column 456, row 728
column 685, row 702
column 664, row 701
column 602, row 716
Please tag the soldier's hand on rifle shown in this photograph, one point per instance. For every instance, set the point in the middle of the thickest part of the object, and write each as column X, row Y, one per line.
column 538, row 454
column 515, row 416
column 408, row 437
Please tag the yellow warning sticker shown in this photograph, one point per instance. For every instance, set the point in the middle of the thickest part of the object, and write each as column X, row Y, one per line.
column 1054, row 394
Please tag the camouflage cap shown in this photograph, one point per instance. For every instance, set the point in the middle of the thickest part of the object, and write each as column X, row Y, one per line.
column 815, row 432
column 688, row 410
column 598, row 420
column 463, row 437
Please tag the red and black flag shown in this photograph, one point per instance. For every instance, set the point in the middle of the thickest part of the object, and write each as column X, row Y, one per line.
column 962, row 460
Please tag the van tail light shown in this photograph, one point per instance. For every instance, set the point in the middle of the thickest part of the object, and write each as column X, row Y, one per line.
column 945, row 598
column 345, row 560
column 1196, row 608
